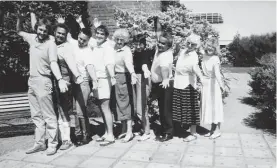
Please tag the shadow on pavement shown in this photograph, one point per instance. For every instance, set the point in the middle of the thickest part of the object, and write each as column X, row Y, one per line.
column 263, row 120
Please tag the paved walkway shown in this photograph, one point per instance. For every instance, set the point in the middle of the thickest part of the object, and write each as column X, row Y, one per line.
column 239, row 147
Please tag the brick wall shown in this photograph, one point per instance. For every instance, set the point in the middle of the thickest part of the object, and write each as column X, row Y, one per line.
column 104, row 10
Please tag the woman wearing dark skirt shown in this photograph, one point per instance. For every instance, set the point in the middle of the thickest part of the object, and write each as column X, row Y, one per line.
column 185, row 106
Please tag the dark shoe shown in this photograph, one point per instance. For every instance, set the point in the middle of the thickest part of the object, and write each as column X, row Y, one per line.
column 36, row 148
column 86, row 139
column 166, row 137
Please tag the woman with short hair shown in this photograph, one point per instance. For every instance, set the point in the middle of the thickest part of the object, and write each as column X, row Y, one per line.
column 185, row 106
column 125, row 77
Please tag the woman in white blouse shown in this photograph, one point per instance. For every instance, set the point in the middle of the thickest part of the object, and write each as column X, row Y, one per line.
column 185, row 106
column 125, row 77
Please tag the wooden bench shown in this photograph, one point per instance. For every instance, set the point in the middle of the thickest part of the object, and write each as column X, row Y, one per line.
column 14, row 105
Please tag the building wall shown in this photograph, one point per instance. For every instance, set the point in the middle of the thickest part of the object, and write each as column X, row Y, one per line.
column 104, row 10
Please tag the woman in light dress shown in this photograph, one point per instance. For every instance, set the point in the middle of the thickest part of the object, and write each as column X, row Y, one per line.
column 212, row 88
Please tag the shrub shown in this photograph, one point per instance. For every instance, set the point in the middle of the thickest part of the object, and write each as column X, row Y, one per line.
column 263, row 83
column 245, row 51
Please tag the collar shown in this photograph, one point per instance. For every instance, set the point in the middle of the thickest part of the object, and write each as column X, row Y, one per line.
column 102, row 45
column 160, row 53
column 46, row 39
column 122, row 49
column 63, row 44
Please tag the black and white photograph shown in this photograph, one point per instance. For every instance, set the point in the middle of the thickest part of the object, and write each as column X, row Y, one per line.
column 138, row 84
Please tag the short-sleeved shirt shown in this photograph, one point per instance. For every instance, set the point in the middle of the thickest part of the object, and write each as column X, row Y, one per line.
column 164, row 59
column 141, row 58
column 39, row 54
column 184, row 74
column 65, row 50
column 102, row 55
column 123, row 59
column 81, row 55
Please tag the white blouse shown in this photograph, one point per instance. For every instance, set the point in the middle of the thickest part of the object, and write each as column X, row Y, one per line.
column 184, row 74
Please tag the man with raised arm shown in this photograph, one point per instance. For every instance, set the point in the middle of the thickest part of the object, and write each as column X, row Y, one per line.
column 43, row 61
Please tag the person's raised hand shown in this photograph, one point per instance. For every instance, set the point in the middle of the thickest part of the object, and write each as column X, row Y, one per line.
column 78, row 18
column 60, row 18
column 96, row 22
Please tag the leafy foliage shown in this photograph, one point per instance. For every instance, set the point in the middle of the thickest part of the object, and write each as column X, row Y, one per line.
column 245, row 51
column 175, row 20
column 14, row 51
column 263, row 83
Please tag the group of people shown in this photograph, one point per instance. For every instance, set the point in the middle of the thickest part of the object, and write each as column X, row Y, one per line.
column 65, row 71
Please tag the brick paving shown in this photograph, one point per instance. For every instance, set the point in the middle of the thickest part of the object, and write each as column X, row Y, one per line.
column 238, row 147
column 233, row 150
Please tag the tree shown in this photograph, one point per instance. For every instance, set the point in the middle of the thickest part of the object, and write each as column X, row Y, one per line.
column 14, row 51
column 245, row 51
column 175, row 20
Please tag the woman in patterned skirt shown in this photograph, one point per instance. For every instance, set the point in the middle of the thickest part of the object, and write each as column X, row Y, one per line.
column 185, row 106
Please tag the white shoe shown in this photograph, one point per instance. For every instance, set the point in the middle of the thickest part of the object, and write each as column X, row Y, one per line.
column 144, row 137
column 190, row 138
column 215, row 135
column 196, row 135
column 207, row 135
column 51, row 151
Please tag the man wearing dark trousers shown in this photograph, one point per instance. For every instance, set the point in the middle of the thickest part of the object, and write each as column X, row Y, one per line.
column 161, row 72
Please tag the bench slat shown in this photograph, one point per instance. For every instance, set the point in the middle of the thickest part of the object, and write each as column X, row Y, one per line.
column 13, row 99
column 16, row 112
column 13, row 95
column 15, row 115
column 14, row 102
column 14, row 106
column 14, row 109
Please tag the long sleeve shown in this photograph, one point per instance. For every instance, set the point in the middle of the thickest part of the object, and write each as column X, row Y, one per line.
column 128, row 60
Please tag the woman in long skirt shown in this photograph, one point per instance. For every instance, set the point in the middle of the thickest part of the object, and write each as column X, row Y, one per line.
column 211, row 97
column 185, row 106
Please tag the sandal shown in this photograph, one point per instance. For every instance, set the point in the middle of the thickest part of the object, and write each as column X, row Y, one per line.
column 121, row 136
column 106, row 143
column 215, row 135
column 131, row 138
column 190, row 138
